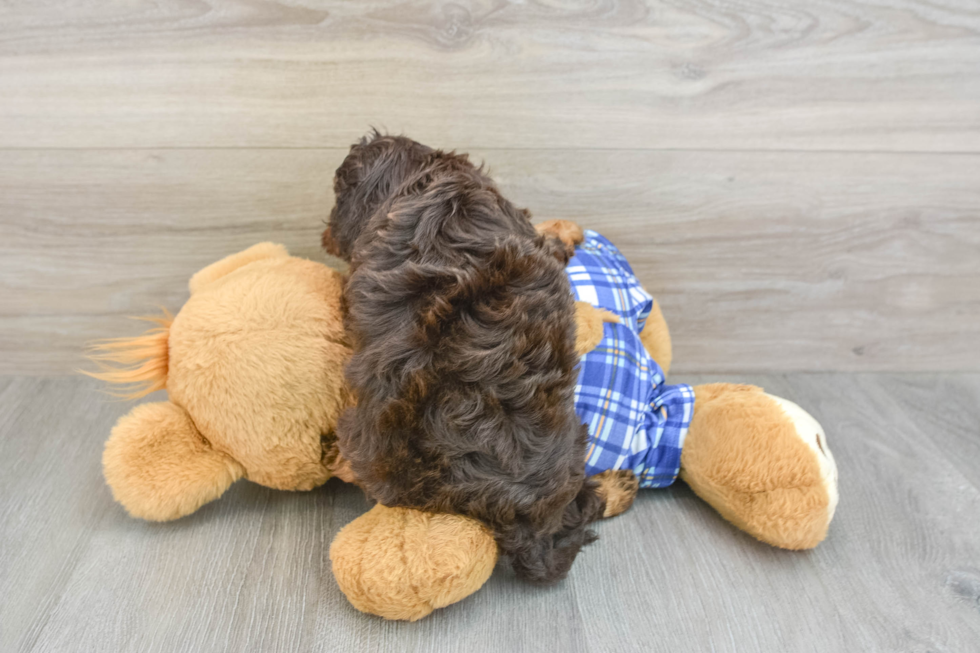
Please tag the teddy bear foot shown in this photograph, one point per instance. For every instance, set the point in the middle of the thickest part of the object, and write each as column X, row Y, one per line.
column 763, row 463
column 400, row 563
column 159, row 467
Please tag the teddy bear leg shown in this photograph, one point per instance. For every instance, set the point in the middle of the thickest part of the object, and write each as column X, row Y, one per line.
column 762, row 462
column 618, row 487
column 589, row 328
column 400, row 563
column 656, row 339
column 160, row 468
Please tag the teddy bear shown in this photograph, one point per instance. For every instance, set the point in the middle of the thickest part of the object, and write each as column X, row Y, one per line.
column 253, row 367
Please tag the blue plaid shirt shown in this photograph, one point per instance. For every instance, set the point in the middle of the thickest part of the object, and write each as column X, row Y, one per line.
column 635, row 420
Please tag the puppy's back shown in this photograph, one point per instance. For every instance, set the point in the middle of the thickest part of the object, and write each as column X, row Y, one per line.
column 465, row 369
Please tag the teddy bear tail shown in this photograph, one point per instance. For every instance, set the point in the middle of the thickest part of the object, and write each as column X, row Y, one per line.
column 160, row 467
column 139, row 365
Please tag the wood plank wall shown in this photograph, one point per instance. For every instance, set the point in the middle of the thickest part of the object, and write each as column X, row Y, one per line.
column 798, row 182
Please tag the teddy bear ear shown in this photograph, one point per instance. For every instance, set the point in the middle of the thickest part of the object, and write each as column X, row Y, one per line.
column 231, row 263
column 160, row 467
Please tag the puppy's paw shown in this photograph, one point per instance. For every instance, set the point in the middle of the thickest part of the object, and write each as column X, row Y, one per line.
column 618, row 487
column 569, row 233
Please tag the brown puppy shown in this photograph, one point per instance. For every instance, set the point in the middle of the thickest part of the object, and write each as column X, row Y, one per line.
column 462, row 323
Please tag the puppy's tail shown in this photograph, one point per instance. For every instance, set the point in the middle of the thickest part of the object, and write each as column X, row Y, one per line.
column 546, row 559
column 138, row 365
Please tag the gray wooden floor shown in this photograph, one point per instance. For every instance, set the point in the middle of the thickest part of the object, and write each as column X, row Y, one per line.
column 900, row 570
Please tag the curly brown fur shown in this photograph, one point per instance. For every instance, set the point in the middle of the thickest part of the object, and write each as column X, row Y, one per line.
column 464, row 372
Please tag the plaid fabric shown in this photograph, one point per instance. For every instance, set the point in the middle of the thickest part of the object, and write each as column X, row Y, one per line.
column 635, row 420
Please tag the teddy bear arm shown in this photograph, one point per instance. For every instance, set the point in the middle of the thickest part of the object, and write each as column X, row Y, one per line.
column 401, row 563
column 568, row 232
column 159, row 467
column 762, row 462
column 656, row 338
column 588, row 326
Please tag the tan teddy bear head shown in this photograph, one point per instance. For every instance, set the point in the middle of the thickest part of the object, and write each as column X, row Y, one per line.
column 253, row 366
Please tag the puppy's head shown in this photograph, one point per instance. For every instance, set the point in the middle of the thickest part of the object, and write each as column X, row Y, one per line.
column 373, row 170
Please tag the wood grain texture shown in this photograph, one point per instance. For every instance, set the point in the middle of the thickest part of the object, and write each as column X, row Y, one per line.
column 761, row 260
column 872, row 75
column 798, row 182
column 900, row 570
column 87, row 238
